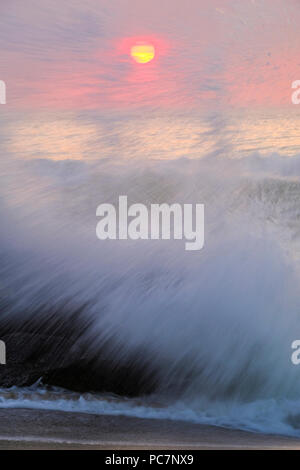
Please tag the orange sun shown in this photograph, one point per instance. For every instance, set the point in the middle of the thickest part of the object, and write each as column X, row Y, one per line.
column 143, row 53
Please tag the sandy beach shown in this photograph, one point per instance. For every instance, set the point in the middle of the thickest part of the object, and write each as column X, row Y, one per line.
column 49, row 430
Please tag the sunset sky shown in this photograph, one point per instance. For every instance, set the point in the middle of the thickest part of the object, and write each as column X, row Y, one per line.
column 61, row 54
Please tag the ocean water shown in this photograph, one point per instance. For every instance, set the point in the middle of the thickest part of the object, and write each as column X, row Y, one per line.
column 216, row 325
column 208, row 121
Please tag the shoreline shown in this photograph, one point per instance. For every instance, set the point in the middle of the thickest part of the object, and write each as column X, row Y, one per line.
column 27, row 429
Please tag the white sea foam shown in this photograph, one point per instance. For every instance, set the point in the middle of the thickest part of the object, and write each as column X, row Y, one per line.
column 215, row 327
column 263, row 416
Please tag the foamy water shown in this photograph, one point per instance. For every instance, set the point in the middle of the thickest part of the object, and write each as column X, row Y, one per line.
column 263, row 416
column 215, row 326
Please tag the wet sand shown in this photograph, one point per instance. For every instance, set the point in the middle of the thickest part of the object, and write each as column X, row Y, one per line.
column 37, row 429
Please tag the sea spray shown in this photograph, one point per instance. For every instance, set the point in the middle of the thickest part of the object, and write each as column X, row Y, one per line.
column 210, row 329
